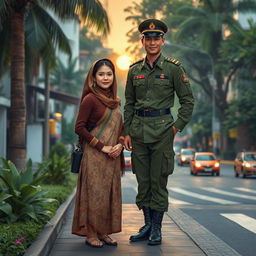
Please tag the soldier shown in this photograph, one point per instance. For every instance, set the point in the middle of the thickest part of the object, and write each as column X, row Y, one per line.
column 149, row 125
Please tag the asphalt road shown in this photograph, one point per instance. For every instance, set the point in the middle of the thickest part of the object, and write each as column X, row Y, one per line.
column 224, row 205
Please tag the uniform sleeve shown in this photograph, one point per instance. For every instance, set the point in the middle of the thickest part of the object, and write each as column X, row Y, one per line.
column 129, row 103
column 85, row 110
column 186, row 99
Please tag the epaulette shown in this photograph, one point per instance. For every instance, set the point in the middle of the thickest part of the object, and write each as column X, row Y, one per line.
column 136, row 62
column 172, row 60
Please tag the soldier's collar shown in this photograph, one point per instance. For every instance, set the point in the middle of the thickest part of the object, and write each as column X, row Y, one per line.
column 159, row 62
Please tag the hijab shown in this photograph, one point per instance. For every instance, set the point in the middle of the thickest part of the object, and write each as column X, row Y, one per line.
column 107, row 96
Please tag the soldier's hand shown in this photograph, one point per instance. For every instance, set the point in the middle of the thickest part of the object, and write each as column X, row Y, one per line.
column 128, row 143
column 175, row 130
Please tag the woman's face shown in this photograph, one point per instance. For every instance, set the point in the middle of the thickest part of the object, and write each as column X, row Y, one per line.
column 104, row 77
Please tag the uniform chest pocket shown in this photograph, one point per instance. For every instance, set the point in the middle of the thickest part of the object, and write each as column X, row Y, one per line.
column 138, row 82
column 162, row 82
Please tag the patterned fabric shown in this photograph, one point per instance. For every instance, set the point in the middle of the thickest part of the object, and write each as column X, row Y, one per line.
column 98, row 196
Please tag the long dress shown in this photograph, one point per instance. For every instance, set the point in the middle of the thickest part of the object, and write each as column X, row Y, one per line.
column 98, row 197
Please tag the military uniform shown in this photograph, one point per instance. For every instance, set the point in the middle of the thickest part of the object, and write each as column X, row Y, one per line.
column 149, row 97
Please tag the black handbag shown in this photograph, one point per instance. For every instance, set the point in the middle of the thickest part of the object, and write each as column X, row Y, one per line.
column 76, row 158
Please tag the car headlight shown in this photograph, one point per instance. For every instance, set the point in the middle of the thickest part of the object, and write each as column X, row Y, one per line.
column 183, row 158
column 198, row 165
column 247, row 165
column 216, row 164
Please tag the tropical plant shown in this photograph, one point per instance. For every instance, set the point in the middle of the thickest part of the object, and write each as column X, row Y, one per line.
column 57, row 166
column 22, row 197
column 67, row 78
column 13, row 12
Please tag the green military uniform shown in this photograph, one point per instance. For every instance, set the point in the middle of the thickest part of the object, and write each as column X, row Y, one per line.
column 149, row 93
column 149, row 97
column 152, row 136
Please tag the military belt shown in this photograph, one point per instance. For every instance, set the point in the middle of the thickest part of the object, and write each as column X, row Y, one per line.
column 152, row 112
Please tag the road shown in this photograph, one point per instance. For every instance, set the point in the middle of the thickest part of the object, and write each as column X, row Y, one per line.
column 224, row 205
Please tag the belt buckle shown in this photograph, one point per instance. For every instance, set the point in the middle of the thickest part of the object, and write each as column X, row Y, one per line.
column 145, row 111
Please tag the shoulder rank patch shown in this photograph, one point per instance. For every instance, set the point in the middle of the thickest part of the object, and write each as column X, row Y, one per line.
column 136, row 62
column 184, row 78
column 172, row 60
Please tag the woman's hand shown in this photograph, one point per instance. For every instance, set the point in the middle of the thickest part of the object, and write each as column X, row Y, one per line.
column 106, row 149
column 116, row 151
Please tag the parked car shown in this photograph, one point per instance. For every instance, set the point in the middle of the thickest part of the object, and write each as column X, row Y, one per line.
column 205, row 162
column 245, row 164
column 185, row 156
column 127, row 160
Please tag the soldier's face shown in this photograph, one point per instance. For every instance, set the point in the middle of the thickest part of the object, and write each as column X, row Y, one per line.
column 104, row 77
column 153, row 45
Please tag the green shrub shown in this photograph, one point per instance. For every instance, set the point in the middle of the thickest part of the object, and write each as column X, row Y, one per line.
column 17, row 237
column 21, row 196
column 59, row 149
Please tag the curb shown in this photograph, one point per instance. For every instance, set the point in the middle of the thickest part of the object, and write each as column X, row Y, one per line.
column 210, row 244
column 46, row 239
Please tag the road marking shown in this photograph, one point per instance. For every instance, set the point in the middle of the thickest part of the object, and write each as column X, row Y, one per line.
column 202, row 197
column 246, row 190
column 223, row 192
column 176, row 201
column 242, row 220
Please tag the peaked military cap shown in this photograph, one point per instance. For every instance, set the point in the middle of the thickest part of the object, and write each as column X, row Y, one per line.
column 153, row 27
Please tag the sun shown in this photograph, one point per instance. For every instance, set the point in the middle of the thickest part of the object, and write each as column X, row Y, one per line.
column 123, row 62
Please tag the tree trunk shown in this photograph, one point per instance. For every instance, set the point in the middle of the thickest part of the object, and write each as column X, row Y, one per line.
column 17, row 136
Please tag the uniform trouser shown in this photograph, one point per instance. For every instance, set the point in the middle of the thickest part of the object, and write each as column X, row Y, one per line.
column 153, row 163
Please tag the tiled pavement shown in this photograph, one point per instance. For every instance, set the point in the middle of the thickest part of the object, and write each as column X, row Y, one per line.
column 175, row 241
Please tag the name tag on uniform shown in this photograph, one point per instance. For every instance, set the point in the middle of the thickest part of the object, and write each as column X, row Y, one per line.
column 138, row 77
column 162, row 76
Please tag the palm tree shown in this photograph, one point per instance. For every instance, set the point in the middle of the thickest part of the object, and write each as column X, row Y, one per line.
column 204, row 26
column 90, row 12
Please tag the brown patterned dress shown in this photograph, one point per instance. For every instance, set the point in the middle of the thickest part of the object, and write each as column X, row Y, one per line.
column 98, row 196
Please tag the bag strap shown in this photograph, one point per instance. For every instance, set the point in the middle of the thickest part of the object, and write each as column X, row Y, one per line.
column 103, row 125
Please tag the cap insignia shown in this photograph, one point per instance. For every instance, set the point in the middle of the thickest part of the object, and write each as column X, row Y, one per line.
column 152, row 25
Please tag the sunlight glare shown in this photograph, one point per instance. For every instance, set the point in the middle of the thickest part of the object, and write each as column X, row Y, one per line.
column 123, row 62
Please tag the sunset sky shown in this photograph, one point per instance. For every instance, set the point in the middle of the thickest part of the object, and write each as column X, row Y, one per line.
column 119, row 27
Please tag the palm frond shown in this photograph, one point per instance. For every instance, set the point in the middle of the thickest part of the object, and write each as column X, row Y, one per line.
column 54, row 31
column 91, row 12
column 5, row 10
column 246, row 6
column 189, row 27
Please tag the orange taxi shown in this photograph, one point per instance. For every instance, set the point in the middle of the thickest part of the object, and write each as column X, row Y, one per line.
column 205, row 162
column 245, row 164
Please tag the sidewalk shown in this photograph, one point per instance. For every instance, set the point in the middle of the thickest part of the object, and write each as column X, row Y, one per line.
column 175, row 241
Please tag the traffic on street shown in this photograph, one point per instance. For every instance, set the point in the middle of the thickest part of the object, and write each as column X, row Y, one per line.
column 225, row 205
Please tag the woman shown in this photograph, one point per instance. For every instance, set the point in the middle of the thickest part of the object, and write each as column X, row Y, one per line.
column 100, row 129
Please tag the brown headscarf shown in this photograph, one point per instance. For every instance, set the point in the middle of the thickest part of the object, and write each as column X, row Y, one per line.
column 107, row 96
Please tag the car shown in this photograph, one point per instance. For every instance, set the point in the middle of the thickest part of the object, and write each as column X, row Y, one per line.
column 205, row 162
column 245, row 164
column 127, row 160
column 185, row 156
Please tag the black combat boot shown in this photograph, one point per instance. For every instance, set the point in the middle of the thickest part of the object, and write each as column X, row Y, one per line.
column 155, row 237
column 144, row 231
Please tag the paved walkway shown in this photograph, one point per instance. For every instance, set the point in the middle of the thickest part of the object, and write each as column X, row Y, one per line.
column 175, row 241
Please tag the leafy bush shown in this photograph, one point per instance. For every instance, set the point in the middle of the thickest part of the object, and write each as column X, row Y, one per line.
column 17, row 237
column 58, row 169
column 59, row 149
column 21, row 196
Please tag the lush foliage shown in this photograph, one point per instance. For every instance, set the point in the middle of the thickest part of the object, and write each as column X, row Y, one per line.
column 15, row 238
column 21, row 197
column 57, row 165
column 67, row 78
